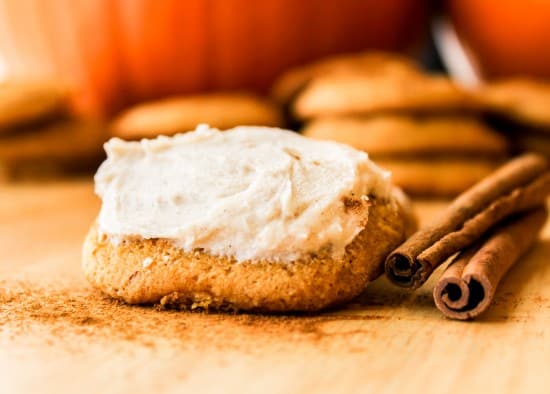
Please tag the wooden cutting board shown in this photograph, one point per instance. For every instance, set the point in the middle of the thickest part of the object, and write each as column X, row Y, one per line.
column 59, row 336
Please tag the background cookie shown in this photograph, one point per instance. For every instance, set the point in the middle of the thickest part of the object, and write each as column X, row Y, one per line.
column 291, row 82
column 362, row 93
column 26, row 103
column 521, row 100
column 395, row 134
column 532, row 142
column 180, row 114
column 442, row 177
column 65, row 145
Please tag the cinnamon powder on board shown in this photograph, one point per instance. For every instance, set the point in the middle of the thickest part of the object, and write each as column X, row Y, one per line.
column 74, row 315
column 71, row 310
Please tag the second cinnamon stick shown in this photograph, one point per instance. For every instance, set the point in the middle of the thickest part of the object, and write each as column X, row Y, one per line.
column 467, row 287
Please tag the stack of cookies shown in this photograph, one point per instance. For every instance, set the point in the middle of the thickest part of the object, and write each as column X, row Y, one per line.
column 421, row 127
column 521, row 107
column 38, row 136
column 180, row 114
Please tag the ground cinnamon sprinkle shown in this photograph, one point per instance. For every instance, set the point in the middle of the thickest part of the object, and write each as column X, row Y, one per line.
column 351, row 204
column 67, row 311
column 76, row 315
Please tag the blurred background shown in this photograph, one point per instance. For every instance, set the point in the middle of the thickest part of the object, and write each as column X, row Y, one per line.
column 76, row 72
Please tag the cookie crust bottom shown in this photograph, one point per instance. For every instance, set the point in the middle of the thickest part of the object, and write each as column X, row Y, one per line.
column 149, row 271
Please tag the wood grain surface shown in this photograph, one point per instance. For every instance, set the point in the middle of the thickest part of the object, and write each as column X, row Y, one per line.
column 57, row 335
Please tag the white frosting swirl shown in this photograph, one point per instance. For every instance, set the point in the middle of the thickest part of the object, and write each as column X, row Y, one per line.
column 249, row 192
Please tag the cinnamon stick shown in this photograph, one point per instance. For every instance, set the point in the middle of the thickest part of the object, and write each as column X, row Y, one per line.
column 467, row 287
column 519, row 185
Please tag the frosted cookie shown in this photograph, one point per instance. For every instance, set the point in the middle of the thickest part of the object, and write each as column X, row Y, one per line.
column 180, row 114
column 522, row 100
column 25, row 103
column 64, row 145
column 443, row 177
column 255, row 219
column 380, row 63
column 365, row 93
column 394, row 134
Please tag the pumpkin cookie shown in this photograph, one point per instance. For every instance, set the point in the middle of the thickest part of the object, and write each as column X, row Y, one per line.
column 65, row 145
column 382, row 63
column 26, row 103
column 200, row 280
column 180, row 114
column 394, row 134
column 523, row 101
column 443, row 177
column 252, row 219
column 364, row 93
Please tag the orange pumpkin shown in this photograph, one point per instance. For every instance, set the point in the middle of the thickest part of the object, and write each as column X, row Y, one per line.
column 507, row 37
column 121, row 52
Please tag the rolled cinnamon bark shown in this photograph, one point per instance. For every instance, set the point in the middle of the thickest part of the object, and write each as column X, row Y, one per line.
column 467, row 287
column 519, row 185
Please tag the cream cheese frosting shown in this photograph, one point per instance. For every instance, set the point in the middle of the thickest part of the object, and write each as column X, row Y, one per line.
column 252, row 193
